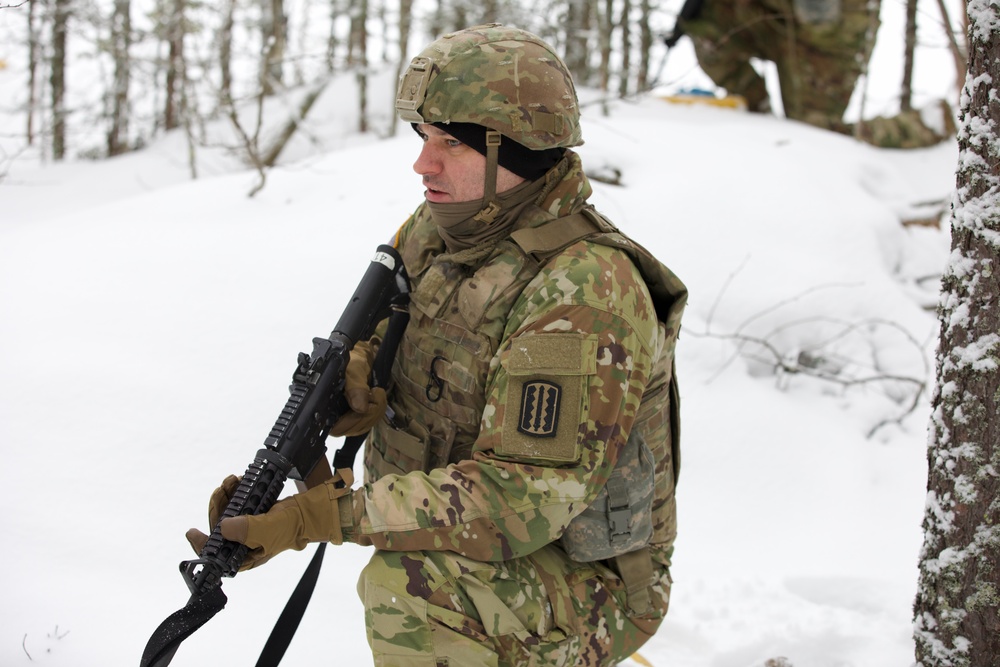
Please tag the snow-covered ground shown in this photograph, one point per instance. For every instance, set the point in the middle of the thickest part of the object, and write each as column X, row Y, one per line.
column 149, row 325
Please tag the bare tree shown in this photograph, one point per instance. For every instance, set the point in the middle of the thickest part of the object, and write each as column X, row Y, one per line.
column 226, row 53
column 910, row 45
column 358, row 58
column 405, row 20
column 642, row 82
column 626, row 48
column 331, row 41
column 120, row 46
column 577, row 39
column 57, row 77
column 605, row 26
column 33, row 57
column 275, row 36
column 174, row 35
column 957, row 53
column 957, row 608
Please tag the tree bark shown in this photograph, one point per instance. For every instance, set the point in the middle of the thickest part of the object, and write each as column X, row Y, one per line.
column 57, row 78
column 33, row 49
column 626, row 49
column 956, row 621
column 605, row 28
column 226, row 53
column 359, row 59
column 121, row 44
column 275, row 36
column 405, row 19
column 910, row 45
column 642, row 83
column 577, row 40
column 175, row 64
column 331, row 40
column 956, row 50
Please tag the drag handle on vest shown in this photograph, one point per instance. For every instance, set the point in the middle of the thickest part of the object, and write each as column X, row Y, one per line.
column 295, row 444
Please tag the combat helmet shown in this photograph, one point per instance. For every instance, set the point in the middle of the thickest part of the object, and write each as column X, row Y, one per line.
column 505, row 79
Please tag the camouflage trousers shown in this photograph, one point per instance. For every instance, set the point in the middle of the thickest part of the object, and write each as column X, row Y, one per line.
column 435, row 609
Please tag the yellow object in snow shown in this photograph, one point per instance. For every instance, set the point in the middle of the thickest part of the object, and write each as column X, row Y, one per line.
column 728, row 102
column 635, row 657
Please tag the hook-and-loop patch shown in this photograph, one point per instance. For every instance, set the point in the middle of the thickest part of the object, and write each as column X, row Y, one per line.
column 547, row 379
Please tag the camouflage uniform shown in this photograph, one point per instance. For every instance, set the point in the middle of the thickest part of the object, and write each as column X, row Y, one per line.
column 528, row 364
column 819, row 47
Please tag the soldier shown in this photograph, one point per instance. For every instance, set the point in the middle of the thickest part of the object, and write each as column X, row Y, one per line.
column 520, row 472
column 820, row 48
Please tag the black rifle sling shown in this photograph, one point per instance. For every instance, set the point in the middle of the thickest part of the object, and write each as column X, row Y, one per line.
column 288, row 622
column 284, row 629
column 180, row 625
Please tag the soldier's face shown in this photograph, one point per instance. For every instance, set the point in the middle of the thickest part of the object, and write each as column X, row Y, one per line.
column 453, row 172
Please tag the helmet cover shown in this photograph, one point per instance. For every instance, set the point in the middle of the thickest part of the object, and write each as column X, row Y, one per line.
column 505, row 79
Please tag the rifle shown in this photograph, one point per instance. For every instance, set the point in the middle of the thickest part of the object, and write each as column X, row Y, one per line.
column 295, row 447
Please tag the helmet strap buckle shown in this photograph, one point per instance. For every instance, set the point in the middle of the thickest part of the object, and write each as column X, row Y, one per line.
column 491, row 207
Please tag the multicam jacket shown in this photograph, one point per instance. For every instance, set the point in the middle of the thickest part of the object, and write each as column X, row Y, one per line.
column 515, row 388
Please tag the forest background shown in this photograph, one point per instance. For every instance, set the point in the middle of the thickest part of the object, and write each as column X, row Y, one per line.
column 97, row 78
column 150, row 308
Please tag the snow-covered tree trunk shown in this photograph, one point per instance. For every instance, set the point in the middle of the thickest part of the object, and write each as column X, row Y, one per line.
column 957, row 609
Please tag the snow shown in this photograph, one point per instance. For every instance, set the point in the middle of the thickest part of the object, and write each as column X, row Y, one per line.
column 150, row 326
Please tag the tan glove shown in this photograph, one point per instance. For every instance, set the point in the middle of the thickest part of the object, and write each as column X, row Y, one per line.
column 367, row 404
column 292, row 523
column 217, row 504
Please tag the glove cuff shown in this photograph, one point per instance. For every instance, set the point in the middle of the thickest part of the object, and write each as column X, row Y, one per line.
column 320, row 508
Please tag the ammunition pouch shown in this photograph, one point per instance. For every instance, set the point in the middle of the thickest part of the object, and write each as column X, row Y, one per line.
column 620, row 519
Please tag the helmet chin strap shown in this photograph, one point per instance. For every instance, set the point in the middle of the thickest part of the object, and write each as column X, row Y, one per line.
column 491, row 206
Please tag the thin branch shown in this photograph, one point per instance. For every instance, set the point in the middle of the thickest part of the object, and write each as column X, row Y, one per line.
column 783, row 364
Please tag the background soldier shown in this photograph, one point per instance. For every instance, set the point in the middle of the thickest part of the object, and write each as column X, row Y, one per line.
column 820, row 49
column 519, row 489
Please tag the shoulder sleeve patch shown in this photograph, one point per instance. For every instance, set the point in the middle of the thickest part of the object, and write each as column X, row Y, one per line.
column 547, row 381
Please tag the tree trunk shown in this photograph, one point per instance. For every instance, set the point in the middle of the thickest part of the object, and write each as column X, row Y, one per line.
column 645, row 46
column 956, row 622
column 956, row 51
column 57, row 78
column 121, row 44
column 33, row 48
column 226, row 53
column 626, row 46
column 577, row 42
column 331, row 40
column 604, row 38
column 491, row 12
column 906, row 90
column 359, row 59
column 275, row 36
column 405, row 18
column 175, row 64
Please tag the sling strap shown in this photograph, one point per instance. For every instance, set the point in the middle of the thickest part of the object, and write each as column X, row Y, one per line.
column 288, row 622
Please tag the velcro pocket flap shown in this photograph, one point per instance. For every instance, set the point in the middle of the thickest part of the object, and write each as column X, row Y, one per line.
column 553, row 354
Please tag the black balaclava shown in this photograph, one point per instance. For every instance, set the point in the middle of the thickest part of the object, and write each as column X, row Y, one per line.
column 526, row 163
